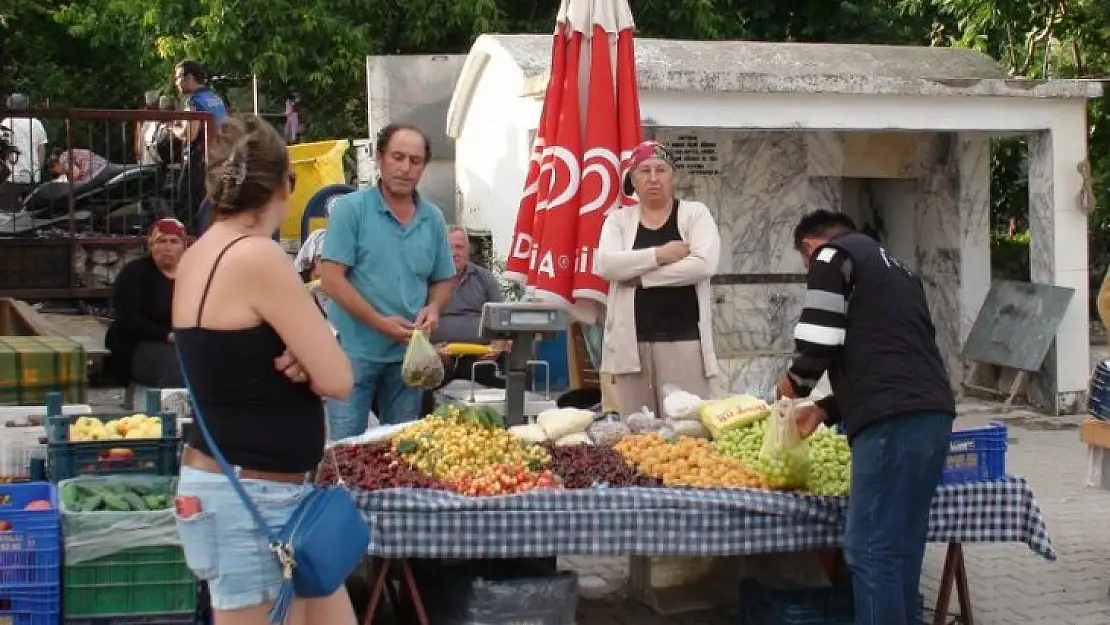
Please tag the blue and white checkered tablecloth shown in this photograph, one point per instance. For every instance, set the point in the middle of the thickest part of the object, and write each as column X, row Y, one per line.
column 671, row 522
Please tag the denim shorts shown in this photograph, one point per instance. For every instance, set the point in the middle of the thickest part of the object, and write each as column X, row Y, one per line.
column 224, row 547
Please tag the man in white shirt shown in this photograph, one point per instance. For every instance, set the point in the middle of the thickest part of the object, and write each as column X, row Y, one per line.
column 29, row 137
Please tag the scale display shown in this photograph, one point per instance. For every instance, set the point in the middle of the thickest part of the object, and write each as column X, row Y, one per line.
column 521, row 317
column 528, row 318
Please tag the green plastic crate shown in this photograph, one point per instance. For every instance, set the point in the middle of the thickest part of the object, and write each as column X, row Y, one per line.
column 135, row 582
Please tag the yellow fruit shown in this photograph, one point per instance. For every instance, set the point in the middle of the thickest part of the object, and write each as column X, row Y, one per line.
column 685, row 462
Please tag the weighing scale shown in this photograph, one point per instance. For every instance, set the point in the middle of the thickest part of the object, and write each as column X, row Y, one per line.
column 522, row 323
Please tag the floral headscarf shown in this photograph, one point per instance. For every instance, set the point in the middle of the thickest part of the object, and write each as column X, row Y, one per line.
column 641, row 153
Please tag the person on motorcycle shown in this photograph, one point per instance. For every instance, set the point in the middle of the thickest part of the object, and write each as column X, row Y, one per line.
column 76, row 165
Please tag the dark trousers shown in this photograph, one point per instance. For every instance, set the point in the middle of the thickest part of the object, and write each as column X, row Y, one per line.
column 896, row 466
column 155, row 365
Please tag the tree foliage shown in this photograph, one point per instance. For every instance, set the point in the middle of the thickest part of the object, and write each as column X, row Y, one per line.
column 106, row 53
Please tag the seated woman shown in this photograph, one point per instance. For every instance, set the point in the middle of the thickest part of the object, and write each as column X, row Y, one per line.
column 141, row 337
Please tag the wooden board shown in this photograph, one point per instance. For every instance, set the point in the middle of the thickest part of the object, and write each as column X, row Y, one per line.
column 1017, row 324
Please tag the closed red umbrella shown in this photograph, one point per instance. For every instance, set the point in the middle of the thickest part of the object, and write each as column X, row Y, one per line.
column 581, row 144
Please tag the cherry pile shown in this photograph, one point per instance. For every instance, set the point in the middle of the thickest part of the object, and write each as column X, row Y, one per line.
column 372, row 467
column 585, row 466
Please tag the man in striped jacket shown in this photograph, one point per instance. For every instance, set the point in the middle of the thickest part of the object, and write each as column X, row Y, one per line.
column 865, row 321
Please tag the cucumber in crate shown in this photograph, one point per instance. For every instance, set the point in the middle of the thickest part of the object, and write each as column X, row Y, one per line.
column 108, row 444
column 122, row 551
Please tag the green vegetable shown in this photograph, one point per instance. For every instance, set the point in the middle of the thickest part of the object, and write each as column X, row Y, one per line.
column 91, row 504
column 407, row 446
column 70, row 496
column 115, row 503
column 136, row 502
column 157, row 502
column 142, row 490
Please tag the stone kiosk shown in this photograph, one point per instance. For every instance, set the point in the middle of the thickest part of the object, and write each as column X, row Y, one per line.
column 897, row 137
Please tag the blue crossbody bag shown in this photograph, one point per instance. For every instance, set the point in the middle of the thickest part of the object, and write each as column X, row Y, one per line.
column 318, row 547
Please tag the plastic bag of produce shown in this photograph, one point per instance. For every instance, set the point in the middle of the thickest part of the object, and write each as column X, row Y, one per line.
column 783, row 461
column 687, row 427
column 607, row 431
column 678, row 404
column 644, row 421
column 578, row 438
column 561, row 422
column 732, row 412
column 421, row 366
column 106, row 514
column 530, row 433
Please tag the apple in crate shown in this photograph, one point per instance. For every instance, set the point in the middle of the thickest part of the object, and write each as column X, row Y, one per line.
column 134, row 426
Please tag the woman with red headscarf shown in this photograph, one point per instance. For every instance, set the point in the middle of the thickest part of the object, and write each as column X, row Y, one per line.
column 658, row 256
column 141, row 337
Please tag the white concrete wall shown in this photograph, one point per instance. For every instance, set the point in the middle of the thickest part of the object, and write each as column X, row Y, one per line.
column 493, row 147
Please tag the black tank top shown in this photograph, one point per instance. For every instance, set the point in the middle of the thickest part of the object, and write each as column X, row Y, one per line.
column 260, row 419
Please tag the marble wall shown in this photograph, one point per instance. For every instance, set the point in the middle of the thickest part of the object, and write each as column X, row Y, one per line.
column 758, row 184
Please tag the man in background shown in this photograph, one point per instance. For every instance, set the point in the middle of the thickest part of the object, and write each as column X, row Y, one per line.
column 189, row 77
column 28, row 136
column 461, row 320
column 386, row 267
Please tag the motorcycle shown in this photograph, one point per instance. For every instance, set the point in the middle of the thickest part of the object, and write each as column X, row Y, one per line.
column 97, row 201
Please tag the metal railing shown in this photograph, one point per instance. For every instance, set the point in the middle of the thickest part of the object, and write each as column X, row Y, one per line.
column 74, row 210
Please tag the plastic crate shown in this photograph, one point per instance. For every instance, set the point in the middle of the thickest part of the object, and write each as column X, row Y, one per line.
column 31, row 543
column 140, row 582
column 830, row 605
column 30, row 607
column 152, row 456
column 976, row 455
column 57, row 423
column 19, row 445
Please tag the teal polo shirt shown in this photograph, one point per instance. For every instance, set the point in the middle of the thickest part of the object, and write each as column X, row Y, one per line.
column 390, row 265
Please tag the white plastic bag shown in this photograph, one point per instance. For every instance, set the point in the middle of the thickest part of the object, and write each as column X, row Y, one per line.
column 688, row 427
column 783, row 462
column 678, row 404
column 643, row 421
column 608, row 431
column 421, row 367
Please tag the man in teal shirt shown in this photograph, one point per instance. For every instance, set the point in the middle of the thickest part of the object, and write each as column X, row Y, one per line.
column 387, row 269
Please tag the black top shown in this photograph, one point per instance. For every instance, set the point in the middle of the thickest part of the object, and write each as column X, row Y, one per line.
column 260, row 419
column 143, row 298
column 867, row 322
column 665, row 313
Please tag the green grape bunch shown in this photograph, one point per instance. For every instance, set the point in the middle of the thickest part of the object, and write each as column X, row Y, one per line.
column 830, row 467
column 743, row 443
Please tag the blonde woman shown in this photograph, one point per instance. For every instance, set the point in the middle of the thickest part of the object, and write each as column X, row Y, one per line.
column 658, row 257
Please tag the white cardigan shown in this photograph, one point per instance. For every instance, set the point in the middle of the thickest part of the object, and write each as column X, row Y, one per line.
column 617, row 262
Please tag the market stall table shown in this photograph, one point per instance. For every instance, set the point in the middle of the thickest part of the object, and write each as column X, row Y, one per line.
column 412, row 523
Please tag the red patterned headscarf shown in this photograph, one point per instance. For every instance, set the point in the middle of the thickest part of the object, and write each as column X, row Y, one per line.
column 166, row 227
column 641, row 153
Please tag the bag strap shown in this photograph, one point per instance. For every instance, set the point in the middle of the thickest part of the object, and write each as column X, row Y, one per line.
column 227, row 469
